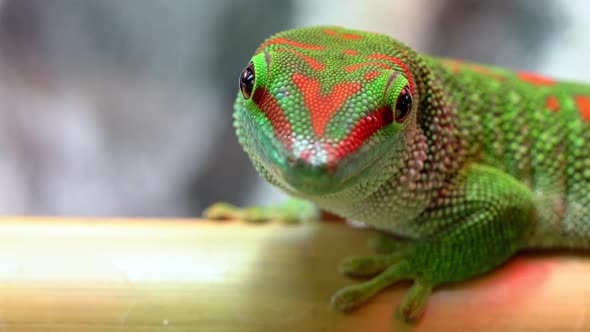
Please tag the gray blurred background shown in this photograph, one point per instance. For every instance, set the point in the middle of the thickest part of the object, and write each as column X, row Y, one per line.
column 123, row 107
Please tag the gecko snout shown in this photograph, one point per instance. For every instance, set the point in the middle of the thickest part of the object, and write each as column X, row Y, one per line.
column 304, row 165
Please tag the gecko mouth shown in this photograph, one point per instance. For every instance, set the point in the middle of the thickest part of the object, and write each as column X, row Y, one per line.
column 322, row 180
column 327, row 175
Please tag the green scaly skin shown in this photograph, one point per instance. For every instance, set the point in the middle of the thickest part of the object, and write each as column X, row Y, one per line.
column 486, row 163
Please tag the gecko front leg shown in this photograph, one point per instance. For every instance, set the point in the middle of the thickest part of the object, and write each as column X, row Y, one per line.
column 482, row 221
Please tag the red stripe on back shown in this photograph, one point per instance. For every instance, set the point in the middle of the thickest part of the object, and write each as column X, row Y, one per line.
column 535, row 79
column 552, row 104
column 583, row 103
column 454, row 65
column 485, row 71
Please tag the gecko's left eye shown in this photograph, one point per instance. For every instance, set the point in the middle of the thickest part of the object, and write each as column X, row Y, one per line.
column 403, row 105
column 247, row 81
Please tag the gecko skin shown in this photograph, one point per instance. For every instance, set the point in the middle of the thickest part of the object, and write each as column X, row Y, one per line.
column 468, row 163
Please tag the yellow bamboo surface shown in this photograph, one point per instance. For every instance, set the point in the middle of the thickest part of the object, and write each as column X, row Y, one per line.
column 188, row 275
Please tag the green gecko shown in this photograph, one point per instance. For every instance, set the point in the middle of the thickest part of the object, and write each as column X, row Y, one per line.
column 467, row 163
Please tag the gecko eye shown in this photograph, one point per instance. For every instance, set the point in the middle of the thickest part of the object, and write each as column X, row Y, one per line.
column 247, row 81
column 403, row 105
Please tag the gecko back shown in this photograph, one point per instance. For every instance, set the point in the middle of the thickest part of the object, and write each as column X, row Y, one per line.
column 536, row 129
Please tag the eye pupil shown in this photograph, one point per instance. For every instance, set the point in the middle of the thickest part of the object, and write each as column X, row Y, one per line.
column 247, row 81
column 403, row 105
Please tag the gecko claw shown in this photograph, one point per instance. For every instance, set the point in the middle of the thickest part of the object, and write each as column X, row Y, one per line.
column 415, row 301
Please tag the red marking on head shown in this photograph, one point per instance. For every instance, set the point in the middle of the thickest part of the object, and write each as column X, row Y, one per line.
column 371, row 75
column 400, row 64
column 313, row 63
column 535, row 79
column 583, row 103
column 322, row 107
column 363, row 129
column 330, row 32
column 552, row 104
column 280, row 124
column 354, row 67
column 351, row 36
column 351, row 52
column 284, row 41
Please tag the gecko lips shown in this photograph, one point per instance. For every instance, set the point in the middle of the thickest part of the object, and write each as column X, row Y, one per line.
column 318, row 171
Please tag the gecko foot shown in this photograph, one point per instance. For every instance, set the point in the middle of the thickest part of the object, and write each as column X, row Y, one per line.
column 389, row 269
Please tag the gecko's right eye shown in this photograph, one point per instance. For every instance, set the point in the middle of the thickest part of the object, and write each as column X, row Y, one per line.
column 247, row 81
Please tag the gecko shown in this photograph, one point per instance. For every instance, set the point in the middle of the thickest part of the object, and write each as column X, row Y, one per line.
column 463, row 164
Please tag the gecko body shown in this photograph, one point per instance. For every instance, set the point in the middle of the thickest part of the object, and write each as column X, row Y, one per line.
column 468, row 163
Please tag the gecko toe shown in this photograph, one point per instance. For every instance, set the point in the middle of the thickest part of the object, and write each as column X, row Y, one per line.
column 352, row 296
column 368, row 266
column 415, row 301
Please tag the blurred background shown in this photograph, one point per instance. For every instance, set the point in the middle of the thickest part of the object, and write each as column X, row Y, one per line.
column 123, row 107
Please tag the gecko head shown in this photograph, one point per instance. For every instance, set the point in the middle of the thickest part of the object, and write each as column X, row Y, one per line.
column 321, row 108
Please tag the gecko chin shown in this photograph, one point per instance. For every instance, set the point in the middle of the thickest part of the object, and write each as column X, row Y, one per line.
column 311, row 179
